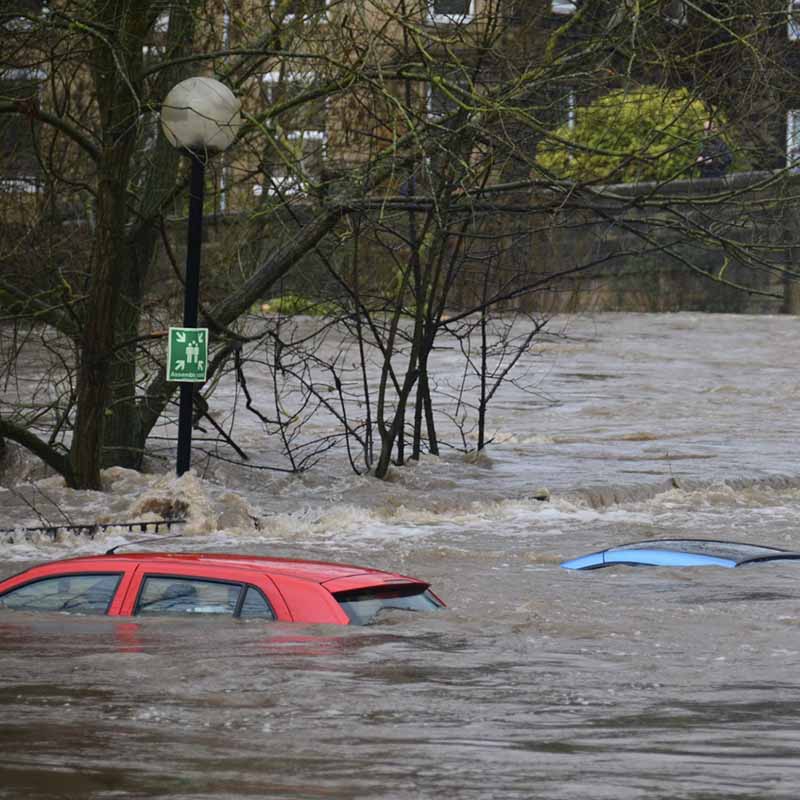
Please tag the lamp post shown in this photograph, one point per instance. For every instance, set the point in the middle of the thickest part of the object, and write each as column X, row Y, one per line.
column 199, row 117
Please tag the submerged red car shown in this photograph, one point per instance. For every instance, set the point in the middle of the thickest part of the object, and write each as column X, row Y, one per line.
column 246, row 587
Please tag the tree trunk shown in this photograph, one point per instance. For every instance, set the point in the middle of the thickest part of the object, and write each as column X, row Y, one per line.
column 122, row 437
column 117, row 74
column 125, row 430
column 97, row 342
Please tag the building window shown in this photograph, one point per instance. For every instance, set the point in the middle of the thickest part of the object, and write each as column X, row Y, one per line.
column 449, row 12
column 23, row 74
column 302, row 9
column 441, row 103
column 285, row 86
column 570, row 105
column 23, row 16
column 300, row 161
column 18, row 154
column 155, row 48
column 152, row 53
column 20, row 185
column 161, row 25
column 302, row 138
column 793, row 139
column 556, row 106
column 562, row 7
column 794, row 20
column 15, row 24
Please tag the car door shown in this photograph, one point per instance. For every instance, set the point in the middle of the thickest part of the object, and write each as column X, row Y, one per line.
column 168, row 589
column 79, row 587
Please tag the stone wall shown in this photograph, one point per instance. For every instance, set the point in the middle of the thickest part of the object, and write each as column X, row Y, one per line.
column 720, row 245
column 723, row 245
column 611, row 248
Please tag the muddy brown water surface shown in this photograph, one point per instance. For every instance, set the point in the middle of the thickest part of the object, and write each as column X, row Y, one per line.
column 534, row 682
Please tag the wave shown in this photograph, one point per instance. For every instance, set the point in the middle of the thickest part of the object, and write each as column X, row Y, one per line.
column 745, row 489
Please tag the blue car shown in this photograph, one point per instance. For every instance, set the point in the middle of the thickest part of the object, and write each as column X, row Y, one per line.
column 681, row 553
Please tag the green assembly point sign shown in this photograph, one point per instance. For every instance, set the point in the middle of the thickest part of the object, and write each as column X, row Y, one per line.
column 187, row 354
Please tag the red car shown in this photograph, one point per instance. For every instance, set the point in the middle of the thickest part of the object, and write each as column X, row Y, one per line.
column 246, row 587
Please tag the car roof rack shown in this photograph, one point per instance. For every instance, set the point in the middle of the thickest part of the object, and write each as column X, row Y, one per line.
column 112, row 550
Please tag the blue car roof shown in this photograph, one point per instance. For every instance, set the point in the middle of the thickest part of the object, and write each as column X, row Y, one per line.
column 680, row 553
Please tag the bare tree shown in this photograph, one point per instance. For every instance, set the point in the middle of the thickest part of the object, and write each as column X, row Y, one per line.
column 392, row 146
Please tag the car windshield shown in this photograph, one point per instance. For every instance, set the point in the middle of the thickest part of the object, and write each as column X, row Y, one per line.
column 702, row 547
column 362, row 606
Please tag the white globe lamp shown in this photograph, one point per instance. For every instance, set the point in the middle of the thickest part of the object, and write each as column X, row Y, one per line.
column 201, row 115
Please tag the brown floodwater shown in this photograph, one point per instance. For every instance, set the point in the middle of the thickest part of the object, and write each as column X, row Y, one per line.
column 535, row 681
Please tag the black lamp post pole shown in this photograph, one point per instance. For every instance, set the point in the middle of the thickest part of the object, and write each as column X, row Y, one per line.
column 191, row 301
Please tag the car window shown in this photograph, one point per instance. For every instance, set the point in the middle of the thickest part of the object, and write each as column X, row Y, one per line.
column 255, row 605
column 165, row 595
column 77, row 594
column 362, row 606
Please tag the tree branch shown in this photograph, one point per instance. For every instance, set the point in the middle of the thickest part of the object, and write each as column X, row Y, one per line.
column 49, row 455
column 29, row 109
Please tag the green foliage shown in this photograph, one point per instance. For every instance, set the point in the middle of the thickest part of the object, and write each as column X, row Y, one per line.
column 628, row 136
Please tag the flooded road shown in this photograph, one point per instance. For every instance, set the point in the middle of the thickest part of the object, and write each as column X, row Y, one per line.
column 534, row 682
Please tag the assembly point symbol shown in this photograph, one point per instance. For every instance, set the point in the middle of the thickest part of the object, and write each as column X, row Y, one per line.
column 187, row 354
